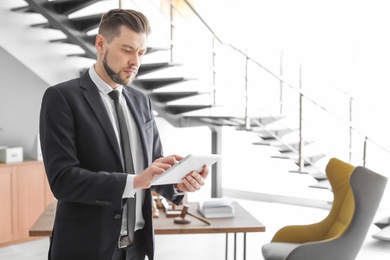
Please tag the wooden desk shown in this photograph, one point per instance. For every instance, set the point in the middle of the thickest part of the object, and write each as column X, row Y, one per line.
column 44, row 224
column 242, row 222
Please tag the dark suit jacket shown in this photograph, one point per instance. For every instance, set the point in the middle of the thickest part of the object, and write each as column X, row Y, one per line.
column 83, row 165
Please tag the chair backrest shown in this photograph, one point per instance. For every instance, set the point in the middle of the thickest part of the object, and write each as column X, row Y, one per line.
column 340, row 215
column 367, row 188
column 343, row 206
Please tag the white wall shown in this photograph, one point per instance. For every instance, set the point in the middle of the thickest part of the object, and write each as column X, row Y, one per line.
column 32, row 46
column 21, row 92
column 29, row 64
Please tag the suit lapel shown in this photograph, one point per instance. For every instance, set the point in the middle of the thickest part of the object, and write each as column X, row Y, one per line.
column 92, row 96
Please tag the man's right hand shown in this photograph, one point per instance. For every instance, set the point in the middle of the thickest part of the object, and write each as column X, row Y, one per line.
column 160, row 165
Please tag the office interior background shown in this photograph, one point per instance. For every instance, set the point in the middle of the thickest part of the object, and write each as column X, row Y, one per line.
column 333, row 51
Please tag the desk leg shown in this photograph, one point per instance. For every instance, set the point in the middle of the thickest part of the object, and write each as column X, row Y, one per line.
column 235, row 246
column 244, row 249
column 226, row 246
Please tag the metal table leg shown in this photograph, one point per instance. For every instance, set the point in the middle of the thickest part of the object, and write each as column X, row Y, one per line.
column 226, row 246
column 244, row 248
column 235, row 246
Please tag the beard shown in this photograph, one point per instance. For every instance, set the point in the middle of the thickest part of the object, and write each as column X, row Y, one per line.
column 112, row 74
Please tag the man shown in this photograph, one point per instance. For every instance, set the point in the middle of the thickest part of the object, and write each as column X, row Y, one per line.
column 83, row 153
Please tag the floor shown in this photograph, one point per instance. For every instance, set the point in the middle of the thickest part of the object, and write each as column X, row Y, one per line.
column 191, row 247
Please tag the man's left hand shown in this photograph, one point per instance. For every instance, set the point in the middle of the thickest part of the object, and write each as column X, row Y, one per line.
column 194, row 180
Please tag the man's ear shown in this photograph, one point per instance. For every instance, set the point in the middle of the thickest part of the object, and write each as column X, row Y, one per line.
column 99, row 43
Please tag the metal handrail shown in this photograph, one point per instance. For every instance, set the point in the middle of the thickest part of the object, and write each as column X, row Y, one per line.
column 299, row 90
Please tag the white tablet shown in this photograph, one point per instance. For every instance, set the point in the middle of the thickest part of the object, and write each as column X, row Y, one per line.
column 186, row 165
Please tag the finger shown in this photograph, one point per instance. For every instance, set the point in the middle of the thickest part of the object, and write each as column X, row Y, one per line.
column 205, row 171
column 193, row 182
column 163, row 165
column 188, row 185
column 152, row 171
column 177, row 157
column 171, row 160
column 198, row 178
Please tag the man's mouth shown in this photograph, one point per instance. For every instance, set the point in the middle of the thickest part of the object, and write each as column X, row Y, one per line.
column 130, row 72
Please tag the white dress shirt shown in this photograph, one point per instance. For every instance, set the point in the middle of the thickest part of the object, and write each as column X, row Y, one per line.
column 135, row 146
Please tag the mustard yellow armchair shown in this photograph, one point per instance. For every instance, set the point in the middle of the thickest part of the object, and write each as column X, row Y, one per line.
column 357, row 194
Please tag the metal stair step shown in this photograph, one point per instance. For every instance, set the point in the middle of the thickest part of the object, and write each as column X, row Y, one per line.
column 384, row 234
column 171, row 96
column 214, row 115
column 179, row 109
column 152, row 67
column 23, row 9
column 267, row 137
column 155, row 83
column 152, row 49
column 224, row 112
column 280, row 145
column 213, row 120
column 44, row 25
column 59, row 40
column 268, row 134
column 86, row 23
column 255, row 121
column 384, row 222
column 217, row 121
column 295, row 157
column 67, row 7
column 312, row 171
column 283, row 145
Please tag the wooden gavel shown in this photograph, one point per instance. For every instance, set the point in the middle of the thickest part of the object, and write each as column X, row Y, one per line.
column 183, row 220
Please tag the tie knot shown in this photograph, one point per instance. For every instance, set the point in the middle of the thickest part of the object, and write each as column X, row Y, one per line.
column 114, row 95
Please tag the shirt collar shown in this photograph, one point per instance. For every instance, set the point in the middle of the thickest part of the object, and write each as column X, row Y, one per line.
column 101, row 85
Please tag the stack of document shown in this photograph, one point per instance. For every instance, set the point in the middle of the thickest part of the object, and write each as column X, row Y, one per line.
column 216, row 208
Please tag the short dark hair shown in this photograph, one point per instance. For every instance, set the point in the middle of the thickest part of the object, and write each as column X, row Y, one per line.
column 111, row 22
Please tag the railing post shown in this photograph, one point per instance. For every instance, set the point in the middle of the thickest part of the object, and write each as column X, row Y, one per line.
column 281, row 84
column 214, row 90
column 365, row 151
column 247, row 118
column 216, row 148
column 301, row 141
column 350, row 129
column 171, row 29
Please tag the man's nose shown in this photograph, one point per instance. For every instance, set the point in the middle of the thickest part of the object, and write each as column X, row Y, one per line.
column 135, row 61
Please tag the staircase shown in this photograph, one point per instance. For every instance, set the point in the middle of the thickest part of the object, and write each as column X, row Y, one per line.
column 274, row 129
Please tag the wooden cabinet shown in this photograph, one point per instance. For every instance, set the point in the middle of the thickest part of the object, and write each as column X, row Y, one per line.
column 6, row 205
column 24, row 194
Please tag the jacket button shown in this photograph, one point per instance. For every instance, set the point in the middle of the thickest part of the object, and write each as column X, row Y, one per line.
column 117, row 216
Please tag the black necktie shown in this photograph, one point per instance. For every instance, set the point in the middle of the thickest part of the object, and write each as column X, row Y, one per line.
column 127, row 159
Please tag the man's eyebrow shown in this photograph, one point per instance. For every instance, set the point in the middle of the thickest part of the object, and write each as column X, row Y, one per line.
column 125, row 45
column 128, row 46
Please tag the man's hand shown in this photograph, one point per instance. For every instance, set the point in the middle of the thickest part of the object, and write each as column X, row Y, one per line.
column 194, row 180
column 160, row 165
